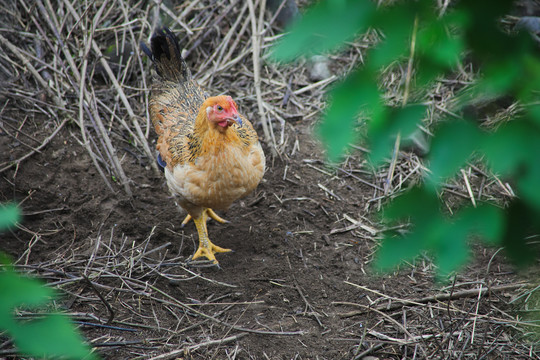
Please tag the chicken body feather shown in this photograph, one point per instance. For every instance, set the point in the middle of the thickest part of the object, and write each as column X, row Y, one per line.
column 209, row 163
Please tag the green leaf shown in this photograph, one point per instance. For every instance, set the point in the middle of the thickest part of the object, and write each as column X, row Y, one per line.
column 451, row 250
column 18, row 290
column 483, row 29
column 444, row 239
column 421, row 208
column 452, row 145
column 416, row 205
column 438, row 50
column 325, row 26
column 357, row 92
column 533, row 112
column 425, row 235
column 384, row 129
column 528, row 85
column 500, row 77
column 522, row 221
column 395, row 250
column 529, row 182
column 9, row 215
column 396, row 24
column 435, row 42
column 485, row 221
column 51, row 336
column 510, row 146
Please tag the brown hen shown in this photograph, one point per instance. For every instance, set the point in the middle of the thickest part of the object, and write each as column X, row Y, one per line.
column 211, row 154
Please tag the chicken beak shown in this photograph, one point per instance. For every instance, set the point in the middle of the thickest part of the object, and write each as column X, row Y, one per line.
column 236, row 119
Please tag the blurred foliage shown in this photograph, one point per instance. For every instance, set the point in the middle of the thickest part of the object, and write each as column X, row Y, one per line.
column 9, row 216
column 435, row 44
column 50, row 335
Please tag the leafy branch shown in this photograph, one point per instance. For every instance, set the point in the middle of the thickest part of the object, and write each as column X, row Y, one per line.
column 434, row 45
column 53, row 334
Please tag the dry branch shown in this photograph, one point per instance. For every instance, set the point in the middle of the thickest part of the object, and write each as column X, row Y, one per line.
column 32, row 69
column 39, row 148
column 256, row 32
column 142, row 140
column 397, row 303
column 174, row 354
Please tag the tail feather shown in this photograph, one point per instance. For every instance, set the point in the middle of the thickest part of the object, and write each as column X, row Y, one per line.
column 166, row 56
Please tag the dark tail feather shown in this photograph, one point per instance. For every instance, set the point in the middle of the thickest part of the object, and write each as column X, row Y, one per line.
column 166, row 56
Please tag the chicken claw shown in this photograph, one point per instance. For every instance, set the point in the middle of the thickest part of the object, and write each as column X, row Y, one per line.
column 211, row 213
column 186, row 220
column 216, row 217
column 206, row 247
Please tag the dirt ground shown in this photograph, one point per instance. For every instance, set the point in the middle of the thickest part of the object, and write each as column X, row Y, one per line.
column 299, row 284
column 287, row 292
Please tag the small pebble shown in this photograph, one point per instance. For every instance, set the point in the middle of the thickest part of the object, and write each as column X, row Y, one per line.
column 319, row 68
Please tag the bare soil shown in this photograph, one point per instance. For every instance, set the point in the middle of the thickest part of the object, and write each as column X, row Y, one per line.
column 286, row 292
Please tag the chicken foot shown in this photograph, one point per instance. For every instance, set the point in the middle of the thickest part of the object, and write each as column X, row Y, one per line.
column 206, row 247
column 211, row 213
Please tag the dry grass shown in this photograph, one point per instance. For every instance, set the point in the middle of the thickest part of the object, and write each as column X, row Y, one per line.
column 466, row 318
column 78, row 64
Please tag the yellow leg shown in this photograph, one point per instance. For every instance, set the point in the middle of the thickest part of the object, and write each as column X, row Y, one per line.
column 206, row 248
column 211, row 213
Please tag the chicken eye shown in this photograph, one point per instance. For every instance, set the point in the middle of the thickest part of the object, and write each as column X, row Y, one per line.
column 219, row 108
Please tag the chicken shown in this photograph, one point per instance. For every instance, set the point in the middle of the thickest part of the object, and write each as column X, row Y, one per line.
column 211, row 154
